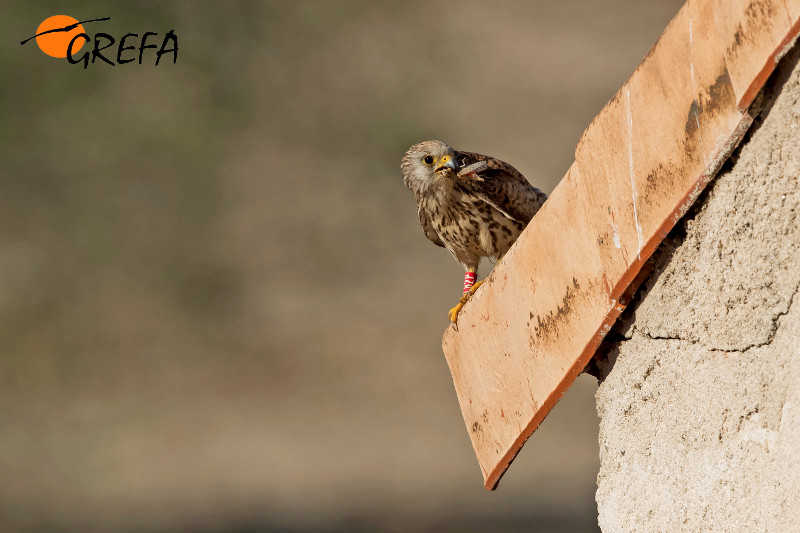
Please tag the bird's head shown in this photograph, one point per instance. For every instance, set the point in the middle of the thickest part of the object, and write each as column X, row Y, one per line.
column 428, row 161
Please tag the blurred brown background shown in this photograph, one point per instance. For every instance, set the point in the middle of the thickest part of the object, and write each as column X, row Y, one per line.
column 217, row 309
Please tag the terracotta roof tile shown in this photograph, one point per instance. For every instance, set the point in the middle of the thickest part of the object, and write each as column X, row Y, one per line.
column 531, row 328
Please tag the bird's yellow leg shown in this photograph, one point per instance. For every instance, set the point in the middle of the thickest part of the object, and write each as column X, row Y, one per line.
column 453, row 314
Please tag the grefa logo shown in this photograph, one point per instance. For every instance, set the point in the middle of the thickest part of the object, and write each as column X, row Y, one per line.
column 63, row 36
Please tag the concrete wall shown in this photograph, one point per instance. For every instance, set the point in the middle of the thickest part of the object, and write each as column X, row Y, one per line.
column 699, row 403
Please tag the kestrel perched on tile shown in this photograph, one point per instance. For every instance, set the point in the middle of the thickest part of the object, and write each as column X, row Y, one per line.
column 473, row 205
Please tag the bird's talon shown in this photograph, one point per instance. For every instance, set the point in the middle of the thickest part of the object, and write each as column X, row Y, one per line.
column 453, row 314
column 475, row 287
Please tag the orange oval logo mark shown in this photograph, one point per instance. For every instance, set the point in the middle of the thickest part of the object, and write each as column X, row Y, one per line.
column 55, row 43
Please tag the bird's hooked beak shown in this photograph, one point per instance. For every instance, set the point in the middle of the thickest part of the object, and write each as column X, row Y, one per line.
column 444, row 163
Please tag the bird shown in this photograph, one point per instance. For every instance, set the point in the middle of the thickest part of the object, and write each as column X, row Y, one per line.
column 471, row 204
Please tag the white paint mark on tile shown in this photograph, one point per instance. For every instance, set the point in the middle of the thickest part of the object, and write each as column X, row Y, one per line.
column 615, row 228
column 691, row 54
column 634, row 194
column 694, row 86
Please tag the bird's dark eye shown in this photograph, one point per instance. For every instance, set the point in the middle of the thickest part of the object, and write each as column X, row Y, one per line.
column 428, row 160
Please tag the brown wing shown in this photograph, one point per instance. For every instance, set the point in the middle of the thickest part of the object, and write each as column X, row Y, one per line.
column 503, row 187
column 430, row 233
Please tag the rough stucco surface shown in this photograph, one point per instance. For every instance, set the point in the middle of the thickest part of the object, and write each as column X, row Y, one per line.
column 700, row 402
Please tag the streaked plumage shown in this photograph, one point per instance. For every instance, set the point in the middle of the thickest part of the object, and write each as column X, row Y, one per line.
column 475, row 215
